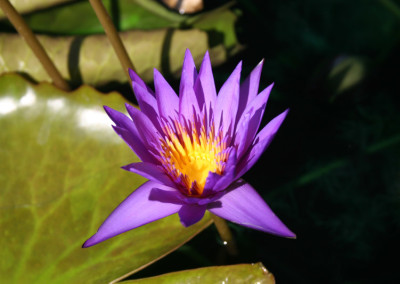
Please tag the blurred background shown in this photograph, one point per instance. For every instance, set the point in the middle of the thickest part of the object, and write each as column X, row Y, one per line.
column 332, row 173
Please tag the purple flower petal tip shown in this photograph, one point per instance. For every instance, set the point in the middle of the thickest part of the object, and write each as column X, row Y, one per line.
column 244, row 206
column 132, row 74
column 194, row 148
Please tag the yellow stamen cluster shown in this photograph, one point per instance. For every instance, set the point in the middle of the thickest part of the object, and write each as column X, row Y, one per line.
column 189, row 155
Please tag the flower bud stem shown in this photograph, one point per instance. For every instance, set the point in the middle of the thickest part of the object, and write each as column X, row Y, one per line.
column 112, row 35
column 225, row 234
column 23, row 29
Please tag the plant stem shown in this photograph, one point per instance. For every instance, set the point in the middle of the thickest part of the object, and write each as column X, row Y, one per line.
column 22, row 28
column 225, row 234
column 112, row 35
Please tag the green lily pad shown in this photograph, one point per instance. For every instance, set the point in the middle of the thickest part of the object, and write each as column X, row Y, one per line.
column 24, row 6
column 240, row 273
column 60, row 179
column 92, row 60
column 78, row 18
column 156, row 41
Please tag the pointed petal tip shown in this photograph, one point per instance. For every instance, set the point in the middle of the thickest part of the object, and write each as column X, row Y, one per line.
column 238, row 66
column 270, row 86
column 126, row 168
column 284, row 114
column 89, row 242
column 188, row 53
column 132, row 74
column 285, row 232
column 156, row 72
column 206, row 59
column 128, row 106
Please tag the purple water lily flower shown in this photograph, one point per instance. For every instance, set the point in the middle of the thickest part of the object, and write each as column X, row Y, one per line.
column 194, row 149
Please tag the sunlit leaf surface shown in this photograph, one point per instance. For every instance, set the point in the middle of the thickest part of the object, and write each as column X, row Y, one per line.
column 60, row 178
column 24, row 6
column 95, row 61
column 153, row 37
column 79, row 17
column 240, row 273
column 92, row 60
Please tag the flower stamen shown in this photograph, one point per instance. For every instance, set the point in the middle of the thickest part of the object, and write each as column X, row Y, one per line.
column 189, row 154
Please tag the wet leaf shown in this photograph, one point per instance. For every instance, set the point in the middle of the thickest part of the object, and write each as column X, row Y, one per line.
column 87, row 58
column 60, row 178
column 79, row 17
column 24, row 6
column 92, row 60
column 240, row 273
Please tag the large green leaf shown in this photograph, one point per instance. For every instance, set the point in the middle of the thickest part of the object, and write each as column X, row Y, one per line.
column 158, row 41
column 240, row 273
column 93, row 61
column 79, row 17
column 24, row 6
column 60, row 178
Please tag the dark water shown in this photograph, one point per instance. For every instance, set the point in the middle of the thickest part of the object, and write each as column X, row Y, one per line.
column 332, row 173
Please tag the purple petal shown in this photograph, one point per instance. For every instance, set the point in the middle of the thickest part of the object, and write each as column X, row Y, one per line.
column 249, row 88
column 135, row 211
column 261, row 142
column 135, row 143
column 136, row 79
column 147, row 104
column 189, row 72
column 229, row 172
column 242, row 205
column 120, row 119
column 145, row 127
column 167, row 99
column 205, row 86
column 187, row 101
column 175, row 196
column 216, row 182
column 227, row 101
column 253, row 116
column 150, row 171
column 167, row 196
column 191, row 214
column 128, row 131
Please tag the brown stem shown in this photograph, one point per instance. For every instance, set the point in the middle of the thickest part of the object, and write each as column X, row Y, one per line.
column 22, row 28
column 112, row 35
column 225, row 234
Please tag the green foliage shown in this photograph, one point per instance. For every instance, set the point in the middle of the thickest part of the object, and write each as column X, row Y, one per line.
column 332, row 174
column 154, row 38
column 240, row 273
column 60, row 178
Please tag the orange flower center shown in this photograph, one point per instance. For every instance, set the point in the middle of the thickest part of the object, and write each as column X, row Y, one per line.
column 189, row 155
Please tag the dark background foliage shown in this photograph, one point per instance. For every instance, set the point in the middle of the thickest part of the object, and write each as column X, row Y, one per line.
column 332, row 173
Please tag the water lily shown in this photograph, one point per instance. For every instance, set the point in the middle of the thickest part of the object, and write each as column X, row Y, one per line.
column 194, row 149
